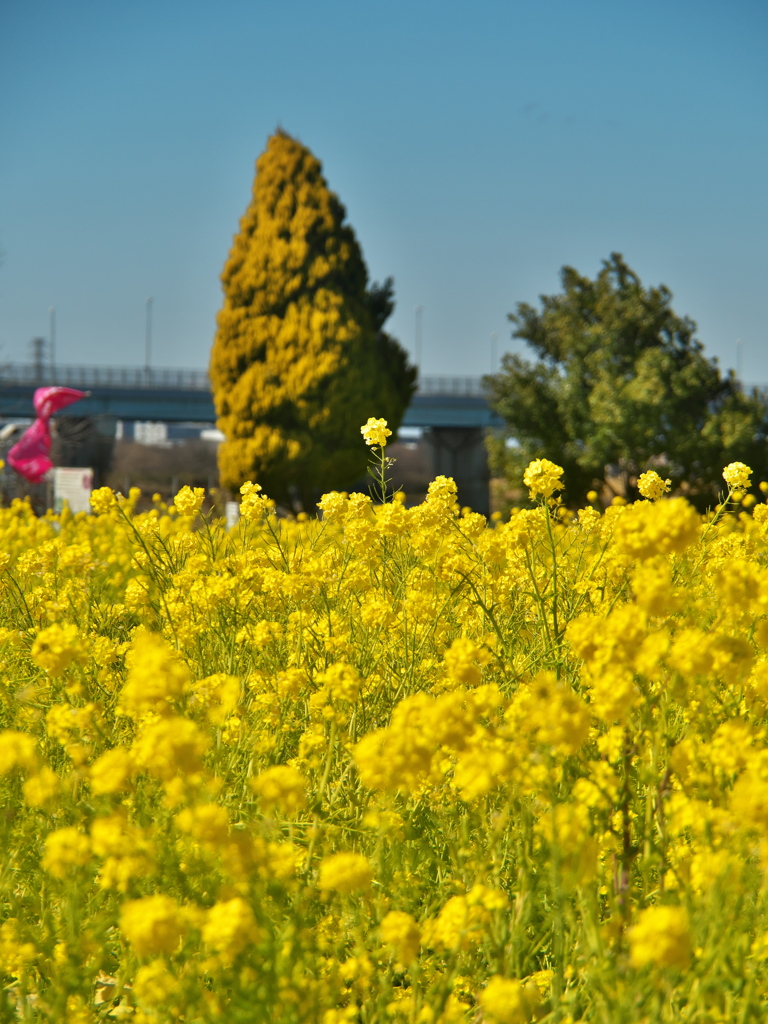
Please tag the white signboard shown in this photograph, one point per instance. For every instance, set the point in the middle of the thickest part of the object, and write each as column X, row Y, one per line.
column 233, row 514
column 73, row 486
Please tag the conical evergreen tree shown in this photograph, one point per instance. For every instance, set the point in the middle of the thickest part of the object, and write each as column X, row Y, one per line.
column 300, row 359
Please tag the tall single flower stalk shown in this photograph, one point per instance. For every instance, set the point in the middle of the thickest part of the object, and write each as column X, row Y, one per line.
column 376, row 432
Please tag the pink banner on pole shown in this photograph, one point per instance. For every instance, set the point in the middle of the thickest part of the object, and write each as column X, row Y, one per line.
column 30, row 455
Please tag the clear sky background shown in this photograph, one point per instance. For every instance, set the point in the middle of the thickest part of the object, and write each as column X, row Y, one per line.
column 477, row 146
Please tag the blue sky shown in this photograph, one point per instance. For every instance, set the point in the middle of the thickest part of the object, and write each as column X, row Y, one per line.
column 477, row 146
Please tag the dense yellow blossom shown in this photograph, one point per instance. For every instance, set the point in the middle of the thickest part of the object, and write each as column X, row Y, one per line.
column 345, row 872
column 281, row 786
column 168, row 746
column 154, row 984
column 41, row 788
column 389, row 763
column 154, row 924
column 229, row 927
column 17, row 750
column 400, row 930
column 507, row 1001
column 110, row 772
column 156, row 679
column 56, row 647
column 66, row 848
column 661, row 937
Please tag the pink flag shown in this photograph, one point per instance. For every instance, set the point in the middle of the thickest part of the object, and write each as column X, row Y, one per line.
column 30, row 455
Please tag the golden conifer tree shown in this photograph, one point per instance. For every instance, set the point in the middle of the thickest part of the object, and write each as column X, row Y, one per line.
column 300, row 359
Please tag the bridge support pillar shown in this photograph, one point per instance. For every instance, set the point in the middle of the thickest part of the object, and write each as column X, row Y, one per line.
column 460, row 452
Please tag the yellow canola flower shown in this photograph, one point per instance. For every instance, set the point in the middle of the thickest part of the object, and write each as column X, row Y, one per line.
column 207, row 823
column 229, row 927
column 737, row 475
column 103, row 500
column 334, row 506
column 400, row 930
column 17, row 750
column 749, row 796
column 464, row 660
column 281, row 786
column 395, row 757
column 153, row 924
column 375, row 432
column 652, row 587
column 550, row 712
column 56, row 647
column 645, row 530
column 651, row 485
column 157, row 677
column 188, row 501
column 66, row 848
column 566, row 828
column 345, row 873
column 253, row 504
column 509, row 1001
column 66, row 723
column 40, row 789
column 168, row 746
column 15, row 955
column 154, row 984
column 543, row 478
column 460, row 923
column 219, row 696
column 111, row 772
column 341, row 682
column 661, row 938
column 126, row 850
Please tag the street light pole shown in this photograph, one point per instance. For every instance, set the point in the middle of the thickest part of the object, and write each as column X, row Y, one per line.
column 419, row 311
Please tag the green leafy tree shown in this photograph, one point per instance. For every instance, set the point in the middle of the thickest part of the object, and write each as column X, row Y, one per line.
column 301, row 358
column 620, row 385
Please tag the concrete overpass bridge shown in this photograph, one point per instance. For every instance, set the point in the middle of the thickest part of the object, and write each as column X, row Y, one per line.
column 184, row 396
column 453, row 411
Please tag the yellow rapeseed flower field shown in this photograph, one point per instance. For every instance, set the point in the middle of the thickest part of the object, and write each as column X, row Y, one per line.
column 388, row 765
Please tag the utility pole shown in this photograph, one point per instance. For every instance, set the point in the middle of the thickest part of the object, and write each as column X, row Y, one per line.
column 52, row 342
column 38, row 358
column 148, row 339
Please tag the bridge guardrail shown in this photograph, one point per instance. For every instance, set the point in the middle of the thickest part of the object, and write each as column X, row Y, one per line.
column 85, row 377
column 141, row 378
column 464, row 387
